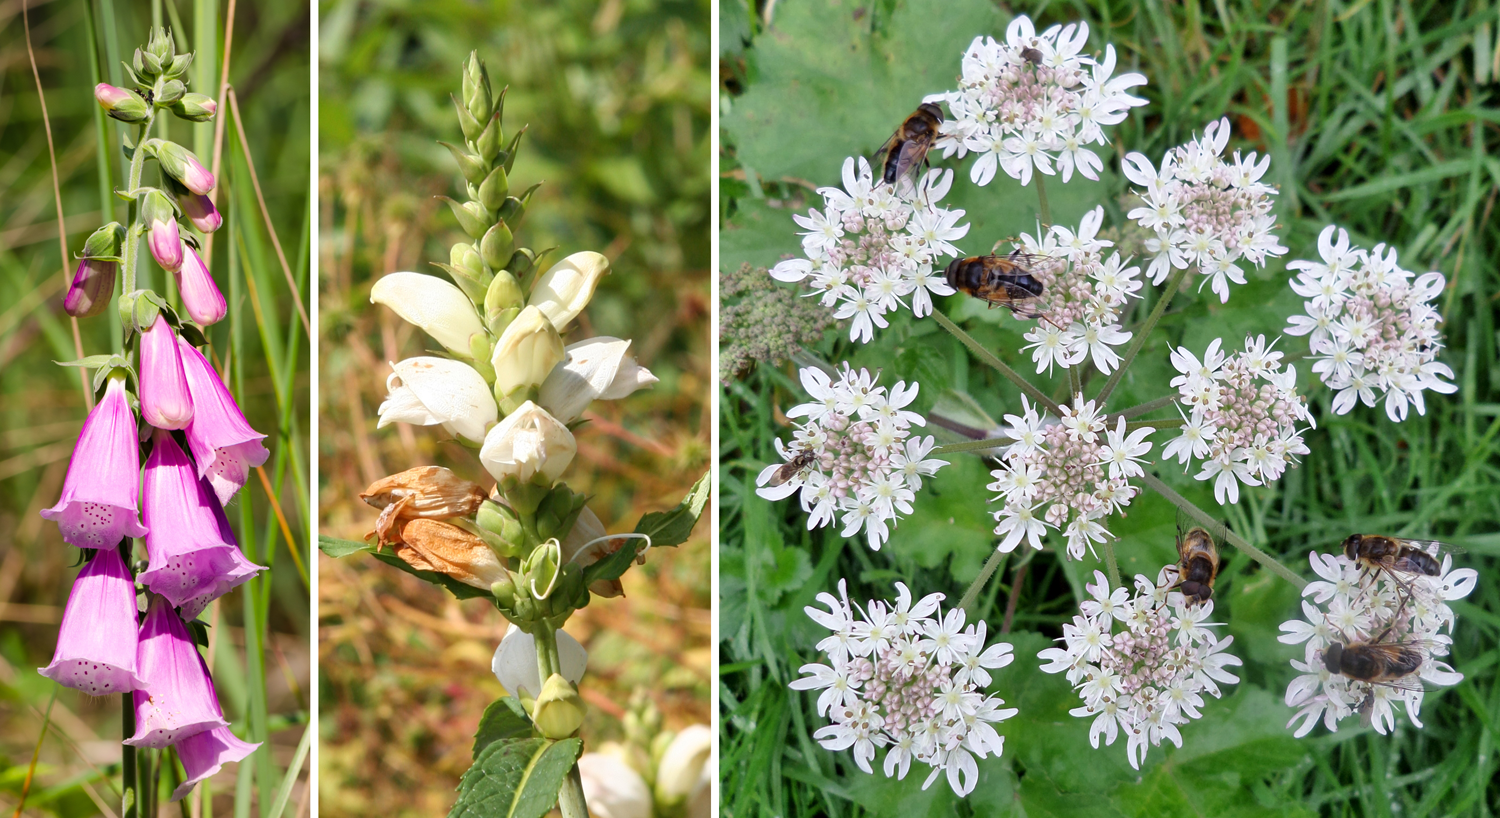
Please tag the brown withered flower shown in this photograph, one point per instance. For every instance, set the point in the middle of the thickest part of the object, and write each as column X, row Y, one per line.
column 425, row 492
column 430, row 545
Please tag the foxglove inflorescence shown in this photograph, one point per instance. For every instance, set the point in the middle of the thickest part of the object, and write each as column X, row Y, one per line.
column 1352, row 604
column 870, row 248
column 1372, row 328
column 1065, row 476
column 909, row 678
column 1034, row 101
column 1146, row 675
column 1083, row 299
column 1207, row 214
column 1245, row 411
column 861, row 459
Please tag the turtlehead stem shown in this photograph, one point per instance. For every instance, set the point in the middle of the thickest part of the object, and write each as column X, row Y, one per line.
column 1141, row 334
column 999, row 366
column 1234, row 539
column 570, row 799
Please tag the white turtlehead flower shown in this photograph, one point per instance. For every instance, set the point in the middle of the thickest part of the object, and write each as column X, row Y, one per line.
column 682, row 772
column 910, row 679
column 526, row 352
column 436, row 306
column 596, row 369
column 527, row 443
column 515, row 662
column 1350, row 604
column 564, row 290
column 613, row 788
column 438, row 391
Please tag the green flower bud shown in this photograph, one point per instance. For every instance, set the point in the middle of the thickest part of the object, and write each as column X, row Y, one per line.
column 491, row 139
column 168, row 92
column 160, row 46
column 195, row 108
column 493, row 189
column 504, row 590
column 571, row 593
column 105, row 243
column 471, row 127
column 477, row 95
column 557, row 513
column 467, row 271
column 513, row 209
column 469, row 165
column 471, row 217
column 559, row 709
column 510, row 150
column 525, row 259
column 119, row 103
column 151, row 64
column 179, row 66
column 496, row 246
column 502, row 302
column 501, row 529
column 541, row 568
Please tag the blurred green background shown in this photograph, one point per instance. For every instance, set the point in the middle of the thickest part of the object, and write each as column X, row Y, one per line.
column 617, row 97
column 1378, row 115
column 42, row 405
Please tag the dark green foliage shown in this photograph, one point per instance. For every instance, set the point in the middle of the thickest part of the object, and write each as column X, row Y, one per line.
column 515, row 778
column 1310, row 84
column 761, row 321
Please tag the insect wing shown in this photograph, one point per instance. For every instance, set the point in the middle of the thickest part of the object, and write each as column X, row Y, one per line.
column 1435, row 548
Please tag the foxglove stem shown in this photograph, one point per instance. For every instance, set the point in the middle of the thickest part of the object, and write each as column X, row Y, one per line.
column 1143, row 333
column 991, row 566
column 570, row 799
column 132, row 237
column 1234, row 539
column 989, row 358
column 1143, row 409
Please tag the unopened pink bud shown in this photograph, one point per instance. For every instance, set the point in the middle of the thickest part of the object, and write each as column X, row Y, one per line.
column 200, row 296
column 165, row 401
column 200, row 210
column 166, row 244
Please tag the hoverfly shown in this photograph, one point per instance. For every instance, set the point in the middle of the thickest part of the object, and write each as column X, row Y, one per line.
column 1198, row 563
column 1377, row 662
column 1398, row 558
column 906, row 150
column 1003, row 281
column 790, row 469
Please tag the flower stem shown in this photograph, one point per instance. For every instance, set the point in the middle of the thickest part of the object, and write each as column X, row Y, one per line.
column 989, row 358
column 1140, row 335
column 1111, row 564
column 132, row 234
column 1234, row 539
column 972, row 446
column 130, row 796
column 991, row 565
column 1144, row 408
column 1164, row 423
column 570, row 799
column 1041, row 198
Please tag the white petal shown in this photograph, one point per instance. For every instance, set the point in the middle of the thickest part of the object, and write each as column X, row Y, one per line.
column 439, row 308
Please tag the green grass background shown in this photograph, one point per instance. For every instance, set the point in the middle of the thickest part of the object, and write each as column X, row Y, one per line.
column 1378, row 115
column 262, row 636
column 616, row 94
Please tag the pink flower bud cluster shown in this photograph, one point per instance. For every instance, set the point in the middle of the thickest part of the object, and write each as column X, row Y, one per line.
column 1065, row 476
column 1035, row 102
column 1207, row 214
column 1245, row 411
column 1373, row 329
column 1141, row 662
column 1083, row 296
column 910, row 678
column 870, row 248
column 857, row 453
column 1352, row 604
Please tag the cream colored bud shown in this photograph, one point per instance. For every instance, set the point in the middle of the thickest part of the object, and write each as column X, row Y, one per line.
column 437, row 307
column 433, row 391
column 526, row 352
column 563, row 291
column 596, row 369
column 559, row 709
column 527, row 443
column 515, row 662
column 680, row 771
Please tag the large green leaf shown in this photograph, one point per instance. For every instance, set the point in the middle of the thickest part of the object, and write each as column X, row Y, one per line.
column 503, row 719
column 673, row 527
column 515, row 778
column 337, row 548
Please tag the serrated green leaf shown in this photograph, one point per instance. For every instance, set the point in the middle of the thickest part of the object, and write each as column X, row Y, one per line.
column 503, row 719
column 337, row 548
column 515, row 778
column 673, row 527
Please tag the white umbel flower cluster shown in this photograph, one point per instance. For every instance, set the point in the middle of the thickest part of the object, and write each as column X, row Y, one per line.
column 1034, row 102
column 1141, row 662
column 1350, row 604
column 871, row 251
column 909, row 678
column 1207, row 214
column 1065, row 476
column 1245, row 410
column 860, row 458
column 1373, row 329
column 1083, row 298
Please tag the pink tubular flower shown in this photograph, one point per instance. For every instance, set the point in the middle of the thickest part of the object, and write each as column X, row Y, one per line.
column 206, row 753
column 199, row 209
column 165, row 400
column 194, row 558
column 97, row 641
column 166, row 243
column 222, row 442
column 98, row 507
column 182, row 165
column 178, row 700
column 93, row 285
column 200, row 296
